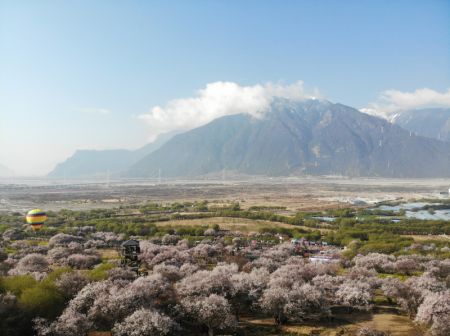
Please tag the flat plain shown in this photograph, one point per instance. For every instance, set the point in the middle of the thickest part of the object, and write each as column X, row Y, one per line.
column 296, row 193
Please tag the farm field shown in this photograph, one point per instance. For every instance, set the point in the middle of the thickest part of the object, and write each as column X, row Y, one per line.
column 298, row 267
column 311, row 193
column 394, row 324
column 233, row 224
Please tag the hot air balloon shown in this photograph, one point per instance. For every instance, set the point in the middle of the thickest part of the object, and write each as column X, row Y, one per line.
column 36, row 218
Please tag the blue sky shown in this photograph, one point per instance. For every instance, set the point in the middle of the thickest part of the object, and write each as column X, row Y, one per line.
column 77, row 74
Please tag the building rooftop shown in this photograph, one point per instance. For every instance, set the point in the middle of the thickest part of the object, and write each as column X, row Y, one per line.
column 131, row 242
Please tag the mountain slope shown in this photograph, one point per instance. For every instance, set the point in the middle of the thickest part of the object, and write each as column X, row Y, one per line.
column 312, row 137
column 98, row 163
column 431, row 123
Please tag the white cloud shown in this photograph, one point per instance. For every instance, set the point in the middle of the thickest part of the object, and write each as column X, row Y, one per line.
column 219, row 99
column 392, row 102
column 94, row 110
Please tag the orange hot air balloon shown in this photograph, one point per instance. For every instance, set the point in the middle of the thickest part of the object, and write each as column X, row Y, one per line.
column 36, row 218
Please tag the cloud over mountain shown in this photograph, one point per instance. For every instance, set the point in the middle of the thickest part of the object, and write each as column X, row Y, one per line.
column 311, row 137
column 391, row 102
column 219, row 99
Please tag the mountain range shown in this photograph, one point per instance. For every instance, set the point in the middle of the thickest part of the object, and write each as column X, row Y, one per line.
column 314, row 137
column 431, row 123
column 100, row 163
column 311, row 137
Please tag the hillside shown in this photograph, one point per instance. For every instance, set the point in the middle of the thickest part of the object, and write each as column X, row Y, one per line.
column 312, row 137
column 431, row 123
column 99, row 163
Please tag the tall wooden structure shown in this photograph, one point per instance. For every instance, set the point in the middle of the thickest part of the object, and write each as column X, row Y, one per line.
column 129, row 252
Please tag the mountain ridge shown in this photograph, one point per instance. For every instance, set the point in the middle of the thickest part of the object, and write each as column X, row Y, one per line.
column 100, row 163
column 431, row 122
column 312, row 137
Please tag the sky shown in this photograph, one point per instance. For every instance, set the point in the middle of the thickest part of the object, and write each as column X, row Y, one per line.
column 115, row 74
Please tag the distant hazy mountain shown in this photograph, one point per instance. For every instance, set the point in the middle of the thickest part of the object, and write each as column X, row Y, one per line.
column 5, row 171
column 313, row 137
column 431, row 123
column 99, row 163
